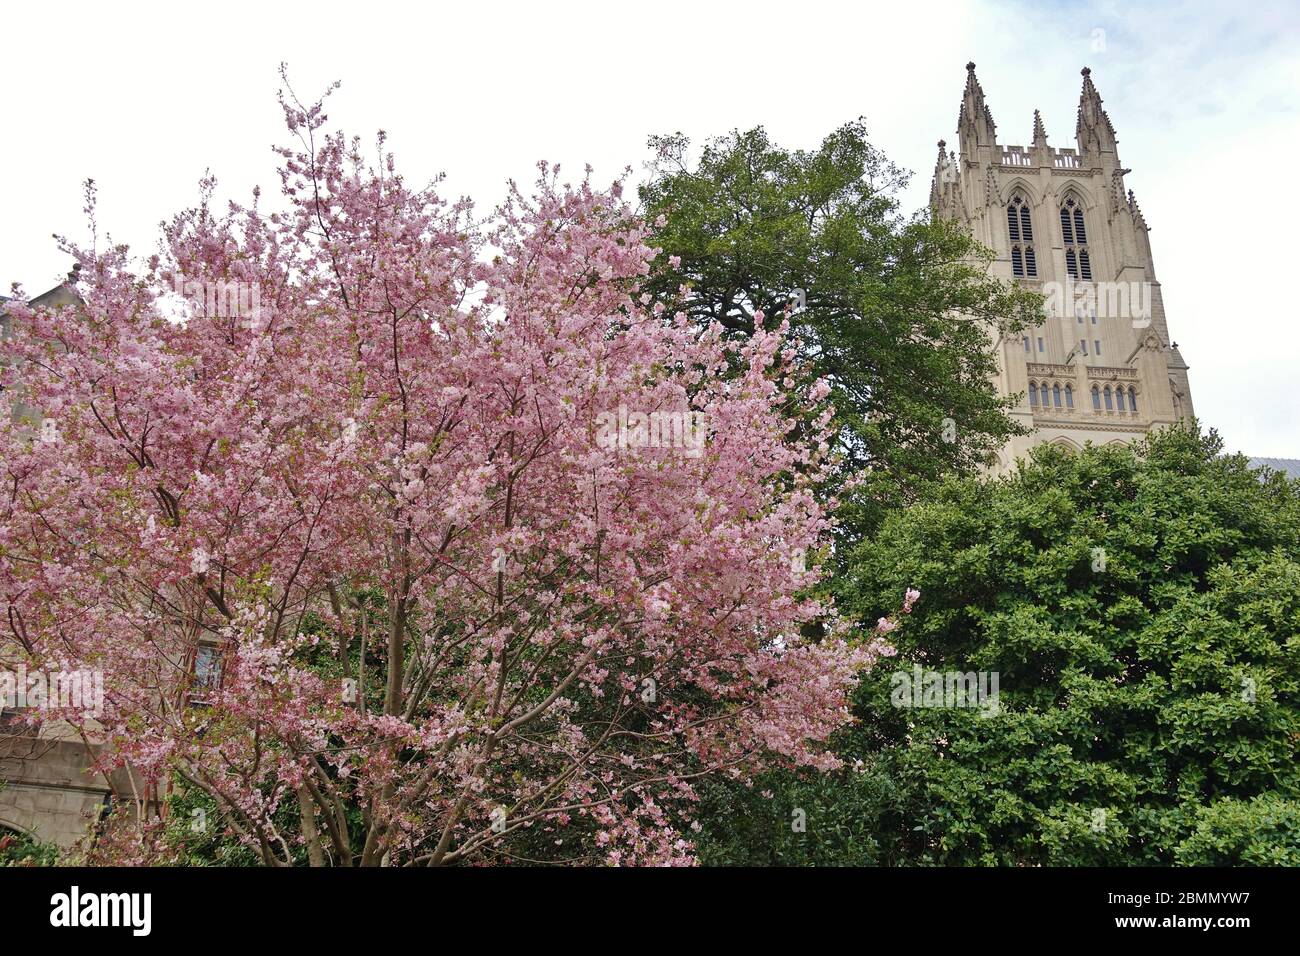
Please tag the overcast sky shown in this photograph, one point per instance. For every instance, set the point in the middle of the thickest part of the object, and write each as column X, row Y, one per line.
column 1205, row 99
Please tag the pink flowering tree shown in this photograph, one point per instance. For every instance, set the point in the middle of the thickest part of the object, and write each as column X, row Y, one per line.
column 419, row 541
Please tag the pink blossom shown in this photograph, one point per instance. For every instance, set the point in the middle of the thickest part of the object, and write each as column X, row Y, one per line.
column 639, row 627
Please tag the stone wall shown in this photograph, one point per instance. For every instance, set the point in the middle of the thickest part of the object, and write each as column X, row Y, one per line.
column 49, row 789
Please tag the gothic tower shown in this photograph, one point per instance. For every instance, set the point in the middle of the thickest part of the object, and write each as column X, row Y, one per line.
column 1100, row 366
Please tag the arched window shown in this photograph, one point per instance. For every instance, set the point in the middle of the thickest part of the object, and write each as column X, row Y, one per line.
column 1096, row 399
column 1042, row 394
column 1020, row 229
column 1078, row 265
column 1072, row 228
column 1110, row 405
column 1056, row 396
column 1069, row 397
column 1033, row 394
column 1132, row 399
column 1119, row 399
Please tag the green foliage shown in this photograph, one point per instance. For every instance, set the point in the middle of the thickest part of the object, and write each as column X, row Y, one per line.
column 1264, row 831
column 888, row 302
column 809, row 819
column 195, row 834
column 20, row 849
column 1149, row 706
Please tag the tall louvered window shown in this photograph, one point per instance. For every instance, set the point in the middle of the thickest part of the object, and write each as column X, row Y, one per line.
column 1078, row 264
column 1021, row 230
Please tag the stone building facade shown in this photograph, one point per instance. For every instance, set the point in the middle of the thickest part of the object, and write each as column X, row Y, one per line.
column 1101, row 366
column 49, row 789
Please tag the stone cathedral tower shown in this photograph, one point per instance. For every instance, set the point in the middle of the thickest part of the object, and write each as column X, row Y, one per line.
column 1101, row 366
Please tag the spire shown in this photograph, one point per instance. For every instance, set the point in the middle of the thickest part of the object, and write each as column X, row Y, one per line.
column 1040, row 133
column 937, row 180
column 945, row 186
column 975, row 122
column 945, row 169
column 1093, row 130
column 1042, row 153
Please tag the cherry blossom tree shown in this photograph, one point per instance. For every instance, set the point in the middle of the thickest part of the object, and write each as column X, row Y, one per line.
column 423, row 540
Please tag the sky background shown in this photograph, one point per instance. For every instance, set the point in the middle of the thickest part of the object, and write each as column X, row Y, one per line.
column 1204, row 96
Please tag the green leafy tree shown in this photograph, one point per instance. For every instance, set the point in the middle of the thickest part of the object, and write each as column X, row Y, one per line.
column 1141, row 607
column 1263, row 831
column 896, row 312
column 845, row 818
